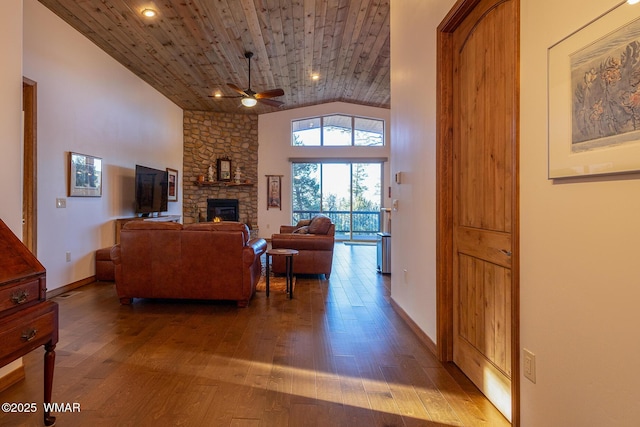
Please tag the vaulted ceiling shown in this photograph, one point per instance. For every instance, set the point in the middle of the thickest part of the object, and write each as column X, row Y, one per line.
column 193, row 48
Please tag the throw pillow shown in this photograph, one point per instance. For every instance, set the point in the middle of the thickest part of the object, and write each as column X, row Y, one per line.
column 303, row 222
column 301, row 230
column 320, row 224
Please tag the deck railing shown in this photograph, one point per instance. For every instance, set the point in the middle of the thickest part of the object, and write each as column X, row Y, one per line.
column 365, row 223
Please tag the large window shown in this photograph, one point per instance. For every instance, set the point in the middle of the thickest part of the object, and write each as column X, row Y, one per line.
column 337, row 130
column 349, row 193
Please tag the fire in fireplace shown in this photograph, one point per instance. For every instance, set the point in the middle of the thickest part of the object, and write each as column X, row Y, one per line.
column 222, row 209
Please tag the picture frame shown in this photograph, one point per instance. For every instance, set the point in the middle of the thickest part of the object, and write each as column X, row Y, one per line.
column 172, row 188
column 594, row 98
column 85, row 175
column 224, row 169
column 274, row 192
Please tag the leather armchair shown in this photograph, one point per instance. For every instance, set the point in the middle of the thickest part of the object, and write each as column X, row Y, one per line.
column 315, row 250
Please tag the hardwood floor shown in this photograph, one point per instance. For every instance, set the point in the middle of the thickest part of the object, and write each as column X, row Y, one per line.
column 335, row 355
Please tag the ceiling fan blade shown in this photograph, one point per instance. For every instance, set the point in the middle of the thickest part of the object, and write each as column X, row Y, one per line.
column 270, row 102
column 270, row 93
column 237, row 89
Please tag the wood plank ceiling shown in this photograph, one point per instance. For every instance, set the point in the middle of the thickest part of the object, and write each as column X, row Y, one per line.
column 193, row 48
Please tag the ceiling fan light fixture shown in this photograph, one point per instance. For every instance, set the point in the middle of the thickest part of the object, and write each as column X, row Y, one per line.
column 251, row 98
column 633, row 1
column 149, row 13
column 249, row 102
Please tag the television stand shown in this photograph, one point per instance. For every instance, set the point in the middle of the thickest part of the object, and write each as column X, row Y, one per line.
column 164, row 218
column 120, row 222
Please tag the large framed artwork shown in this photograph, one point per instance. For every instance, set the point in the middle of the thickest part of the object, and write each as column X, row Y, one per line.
column 85, row 175
column 594, row 97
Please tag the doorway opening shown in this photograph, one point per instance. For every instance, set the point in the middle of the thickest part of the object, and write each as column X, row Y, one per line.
column 29, row 165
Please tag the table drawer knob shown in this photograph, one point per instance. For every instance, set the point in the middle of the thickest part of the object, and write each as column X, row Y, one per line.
column 29, row 335
column 20, row 297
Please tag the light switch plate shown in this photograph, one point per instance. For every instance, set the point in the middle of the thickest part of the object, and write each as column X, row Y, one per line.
column 61, row 203
column 529, row 367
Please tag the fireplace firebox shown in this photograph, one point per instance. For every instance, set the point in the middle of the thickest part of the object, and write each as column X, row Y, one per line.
column 223, row 209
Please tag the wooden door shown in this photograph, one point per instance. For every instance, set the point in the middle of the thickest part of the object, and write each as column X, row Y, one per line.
column 483, row 195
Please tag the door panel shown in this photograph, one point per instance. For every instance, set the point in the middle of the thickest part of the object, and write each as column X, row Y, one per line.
column 485, row 308
column 485, row 49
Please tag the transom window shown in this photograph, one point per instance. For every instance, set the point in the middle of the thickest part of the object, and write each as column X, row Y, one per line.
column 337, row 130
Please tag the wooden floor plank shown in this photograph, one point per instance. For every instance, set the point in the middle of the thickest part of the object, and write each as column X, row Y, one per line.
column 335, row 355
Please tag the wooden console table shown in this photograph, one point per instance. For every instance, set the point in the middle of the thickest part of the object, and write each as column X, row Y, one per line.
column 120, row 222
column 27, row 319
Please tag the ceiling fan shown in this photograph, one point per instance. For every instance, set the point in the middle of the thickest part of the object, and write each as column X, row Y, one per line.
column 251, row 98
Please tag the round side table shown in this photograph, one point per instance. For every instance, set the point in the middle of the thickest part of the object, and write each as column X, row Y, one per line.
column 288, row 254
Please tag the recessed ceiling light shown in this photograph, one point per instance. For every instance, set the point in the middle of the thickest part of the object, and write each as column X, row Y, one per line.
column 217, row 94
column 317, row 76
column 149, row 13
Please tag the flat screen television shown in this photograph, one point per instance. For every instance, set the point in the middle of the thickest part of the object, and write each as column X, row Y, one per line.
column 151, row 190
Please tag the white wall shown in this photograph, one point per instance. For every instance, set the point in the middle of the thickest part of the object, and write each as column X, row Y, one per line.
column 579, row 275
column 88, row 103
column 10, row 123
column 579, row 260
column 274, row 151
column 413, row 131
column 11, row 114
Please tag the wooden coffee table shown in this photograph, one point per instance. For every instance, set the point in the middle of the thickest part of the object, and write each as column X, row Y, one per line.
column 288, row 254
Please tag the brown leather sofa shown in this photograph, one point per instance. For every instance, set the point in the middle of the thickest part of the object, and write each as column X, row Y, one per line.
column 213, row 261
column 314, row 239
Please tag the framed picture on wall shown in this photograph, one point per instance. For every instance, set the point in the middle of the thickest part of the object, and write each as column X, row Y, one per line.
column 172, row 188
column 85, row 175
column 274, row 192
column 594, row 97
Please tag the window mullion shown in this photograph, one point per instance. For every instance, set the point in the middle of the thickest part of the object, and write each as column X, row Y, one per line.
column 321, row 187
column 353, row 131
column 351, row 204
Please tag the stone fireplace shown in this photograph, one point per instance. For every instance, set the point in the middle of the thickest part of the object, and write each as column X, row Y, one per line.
column 209, row 136
column 223, row 210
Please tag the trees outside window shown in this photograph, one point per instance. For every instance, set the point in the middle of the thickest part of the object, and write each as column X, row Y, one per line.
column 349, row 193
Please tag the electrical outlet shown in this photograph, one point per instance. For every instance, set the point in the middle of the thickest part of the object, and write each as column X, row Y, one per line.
column 529, row 365
column 68, row 256
column 61, row 203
